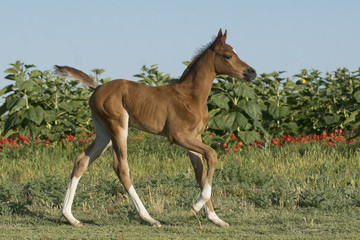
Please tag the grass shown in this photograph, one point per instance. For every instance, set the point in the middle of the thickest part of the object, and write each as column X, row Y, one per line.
column 247, row 223
column 307, row 191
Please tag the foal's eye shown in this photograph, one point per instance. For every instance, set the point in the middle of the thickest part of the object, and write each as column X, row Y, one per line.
column 227, row 56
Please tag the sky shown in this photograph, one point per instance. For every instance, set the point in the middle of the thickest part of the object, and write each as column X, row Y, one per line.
column 122, row 36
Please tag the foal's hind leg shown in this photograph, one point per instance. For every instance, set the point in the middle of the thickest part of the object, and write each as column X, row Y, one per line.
column 200, row 174
column 82, row 162
column 121, row 168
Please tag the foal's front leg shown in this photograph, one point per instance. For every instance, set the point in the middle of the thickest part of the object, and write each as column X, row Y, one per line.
column 197, row 149
column 200, row 174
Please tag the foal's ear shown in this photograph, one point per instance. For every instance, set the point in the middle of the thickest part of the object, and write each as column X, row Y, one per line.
column 221, row 37
column 224, row 36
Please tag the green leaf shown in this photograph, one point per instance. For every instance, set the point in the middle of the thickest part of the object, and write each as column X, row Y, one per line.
column 35, row 114
column 240, row 121
column 278, row 112
column 252, row 109
column 291, row 127
column 26, row 85
column 34, row 131
column 249, row 136
column 10, row 77
column 357, row 95
column 36, row 73
column 260, row 126
column 332, row 119
column 50, row 116
column 15, row 103
column 30, row 66
column 11, row 123
column 224, row 121
column 238, row 90
column 248, row 92
column 220, row 100
column 6, row 89
column 213, row 112
column 351, row 118
column 244, row 91
column 3, row 109
column 68, row 107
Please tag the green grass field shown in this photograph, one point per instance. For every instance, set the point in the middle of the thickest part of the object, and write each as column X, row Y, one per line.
column 307, row 191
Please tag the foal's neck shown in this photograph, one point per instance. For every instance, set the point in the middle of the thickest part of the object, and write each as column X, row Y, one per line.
column 199, row 78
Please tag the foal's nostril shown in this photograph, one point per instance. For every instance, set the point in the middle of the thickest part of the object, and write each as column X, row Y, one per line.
column 250, row 73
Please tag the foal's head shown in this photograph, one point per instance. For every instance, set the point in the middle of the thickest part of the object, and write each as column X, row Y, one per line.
column 227, row 61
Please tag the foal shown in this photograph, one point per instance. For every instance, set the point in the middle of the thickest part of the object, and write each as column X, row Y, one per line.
column 177, row 111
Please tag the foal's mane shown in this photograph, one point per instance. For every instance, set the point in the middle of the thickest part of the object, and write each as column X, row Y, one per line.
column 194, row 60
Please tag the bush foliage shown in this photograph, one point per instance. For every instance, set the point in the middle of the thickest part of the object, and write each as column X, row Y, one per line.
column 38, row 103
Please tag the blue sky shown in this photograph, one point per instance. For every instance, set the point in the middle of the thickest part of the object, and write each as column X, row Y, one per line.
column 121, row 36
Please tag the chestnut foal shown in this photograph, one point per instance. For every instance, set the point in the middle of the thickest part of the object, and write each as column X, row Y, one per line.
column 177, row 111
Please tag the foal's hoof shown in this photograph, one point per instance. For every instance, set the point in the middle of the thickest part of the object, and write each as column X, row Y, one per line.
column 222, row 224
column 152, row 222
column 77, row 224
column 156, row 224
column 192, row 212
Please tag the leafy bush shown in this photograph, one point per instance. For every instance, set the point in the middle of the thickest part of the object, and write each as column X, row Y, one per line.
column 41, row 104
column 309, row 103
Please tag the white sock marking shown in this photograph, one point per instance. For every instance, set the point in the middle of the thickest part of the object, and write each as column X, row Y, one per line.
column 137, row 202
column 214, row 218
column 204, row 196
column 69, row 198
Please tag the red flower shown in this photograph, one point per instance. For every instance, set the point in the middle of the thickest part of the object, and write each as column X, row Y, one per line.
column 239, row 144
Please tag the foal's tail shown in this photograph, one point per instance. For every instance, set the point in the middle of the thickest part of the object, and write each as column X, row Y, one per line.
column 77, row 74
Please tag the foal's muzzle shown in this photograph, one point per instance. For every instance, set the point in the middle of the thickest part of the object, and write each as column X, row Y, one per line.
column 249, row 74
